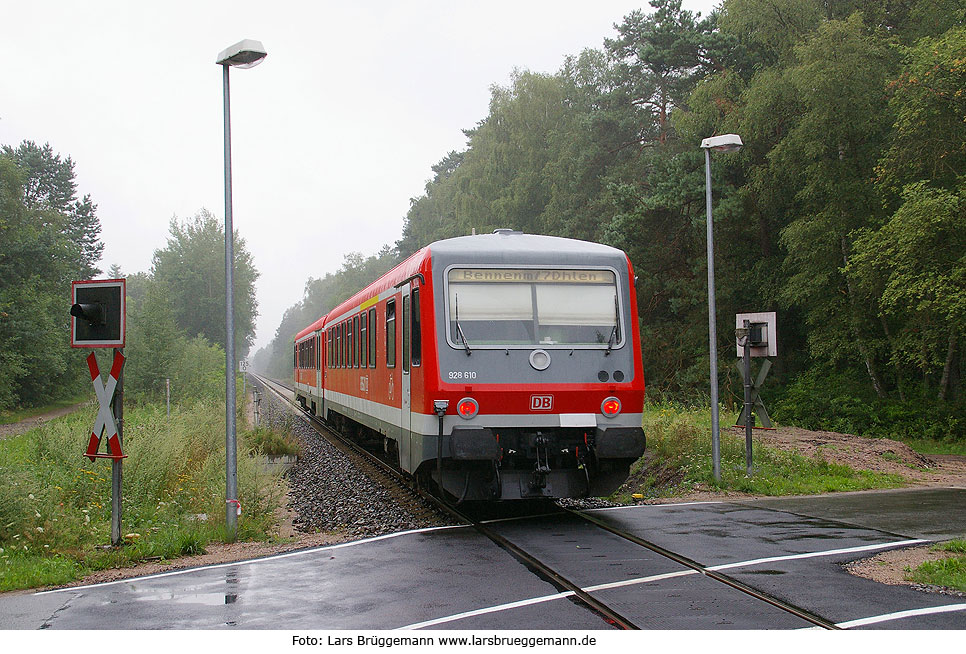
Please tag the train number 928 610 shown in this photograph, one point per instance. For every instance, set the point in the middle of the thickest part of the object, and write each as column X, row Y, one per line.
column 462, row 374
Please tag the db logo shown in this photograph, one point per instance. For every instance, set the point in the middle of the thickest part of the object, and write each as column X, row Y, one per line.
column 541, row 402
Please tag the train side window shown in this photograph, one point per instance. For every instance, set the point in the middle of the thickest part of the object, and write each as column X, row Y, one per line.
column 328, row 352
column 318, row 352
column 391, row 334
column 416, row 339
column 355, row 342
column 372, row 337
column 363, row 340
column 338, row 346
column 405, row 333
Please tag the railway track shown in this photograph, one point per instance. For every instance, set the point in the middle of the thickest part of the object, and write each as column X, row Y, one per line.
column 419, row 500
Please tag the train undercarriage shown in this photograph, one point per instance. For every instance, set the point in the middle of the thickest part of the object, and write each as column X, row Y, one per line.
column 512, row 463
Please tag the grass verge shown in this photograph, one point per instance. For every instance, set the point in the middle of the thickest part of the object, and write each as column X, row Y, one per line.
column 936, row 446
column 678, row 461
column 55, row 504
column 949, row 572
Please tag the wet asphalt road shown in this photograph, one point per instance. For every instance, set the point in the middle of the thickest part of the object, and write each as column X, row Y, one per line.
column 453, row 578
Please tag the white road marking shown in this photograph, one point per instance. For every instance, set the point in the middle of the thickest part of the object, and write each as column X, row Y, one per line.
column 808, row 555
column 899, row 615
column 648, row 506
column 488, row 609
column 641, row 580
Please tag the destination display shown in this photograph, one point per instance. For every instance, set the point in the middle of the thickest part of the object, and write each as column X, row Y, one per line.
column 530, row 276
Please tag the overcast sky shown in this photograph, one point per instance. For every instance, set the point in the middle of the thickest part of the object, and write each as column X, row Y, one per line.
column 331, row 135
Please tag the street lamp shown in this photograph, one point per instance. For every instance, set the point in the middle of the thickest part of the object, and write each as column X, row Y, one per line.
column 244, row 54
column 724, row 143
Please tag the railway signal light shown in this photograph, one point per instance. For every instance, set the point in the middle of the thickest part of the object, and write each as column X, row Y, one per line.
column 94, row 314
column 97, row 313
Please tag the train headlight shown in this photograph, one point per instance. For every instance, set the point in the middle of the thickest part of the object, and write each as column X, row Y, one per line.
column 610, row 407
column 467, row 408
column 540, row 359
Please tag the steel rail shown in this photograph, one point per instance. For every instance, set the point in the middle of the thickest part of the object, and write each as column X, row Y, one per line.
column 712, row 574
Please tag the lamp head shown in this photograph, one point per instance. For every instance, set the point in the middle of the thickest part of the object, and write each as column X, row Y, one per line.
column 244, row 54
column 723, row 143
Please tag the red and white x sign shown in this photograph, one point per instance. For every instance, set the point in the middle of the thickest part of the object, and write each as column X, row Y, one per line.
column 105, row 416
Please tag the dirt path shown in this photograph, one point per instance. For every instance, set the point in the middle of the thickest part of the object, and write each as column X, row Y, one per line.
column 15, row 428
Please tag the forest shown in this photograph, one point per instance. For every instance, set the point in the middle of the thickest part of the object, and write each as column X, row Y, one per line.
column 845, row 211
column 175, row 311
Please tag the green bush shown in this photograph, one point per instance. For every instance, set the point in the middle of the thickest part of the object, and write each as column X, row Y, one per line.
column 269, row 442
column 835, row 402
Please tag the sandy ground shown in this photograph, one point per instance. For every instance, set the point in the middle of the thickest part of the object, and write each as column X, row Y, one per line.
column 876, row 454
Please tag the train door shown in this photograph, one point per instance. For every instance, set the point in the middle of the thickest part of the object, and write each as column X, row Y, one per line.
column 406, row 400
column 319, row 367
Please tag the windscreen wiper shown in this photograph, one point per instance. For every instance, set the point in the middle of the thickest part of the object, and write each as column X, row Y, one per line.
column 459, row 330
column 613, row 331
column 610, row 341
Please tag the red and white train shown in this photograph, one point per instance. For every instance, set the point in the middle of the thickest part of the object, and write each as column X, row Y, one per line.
column 498, row 366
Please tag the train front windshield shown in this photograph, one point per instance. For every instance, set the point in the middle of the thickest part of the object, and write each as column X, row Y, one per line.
column 524, row 307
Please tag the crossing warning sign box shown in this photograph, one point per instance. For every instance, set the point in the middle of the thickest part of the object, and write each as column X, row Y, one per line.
column 97, row 313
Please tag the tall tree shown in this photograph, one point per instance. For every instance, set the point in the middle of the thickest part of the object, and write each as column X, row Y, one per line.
column 50, row 186
column 835, row 146
column 47, row 239
column 192, row 266
column 154, row 342
column 915, row 268
column 660, row 57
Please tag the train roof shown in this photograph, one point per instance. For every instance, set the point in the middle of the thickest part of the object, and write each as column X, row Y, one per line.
column 503, row 245
column 505, row 242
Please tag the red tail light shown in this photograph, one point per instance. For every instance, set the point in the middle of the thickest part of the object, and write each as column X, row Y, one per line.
column 467, row 408
column 610, row 407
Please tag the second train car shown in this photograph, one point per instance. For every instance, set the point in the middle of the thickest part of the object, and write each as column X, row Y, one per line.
column 495, row 367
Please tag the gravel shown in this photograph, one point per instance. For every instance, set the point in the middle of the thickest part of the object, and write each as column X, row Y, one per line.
column 329, row 493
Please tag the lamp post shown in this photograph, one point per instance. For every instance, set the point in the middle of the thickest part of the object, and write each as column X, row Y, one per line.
column 244, row 54
column 724, row 143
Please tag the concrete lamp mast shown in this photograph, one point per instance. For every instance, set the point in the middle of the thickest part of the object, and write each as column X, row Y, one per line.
column 724, row 143
column 244, row 54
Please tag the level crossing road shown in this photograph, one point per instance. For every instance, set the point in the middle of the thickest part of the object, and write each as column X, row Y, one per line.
column 453, row 578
